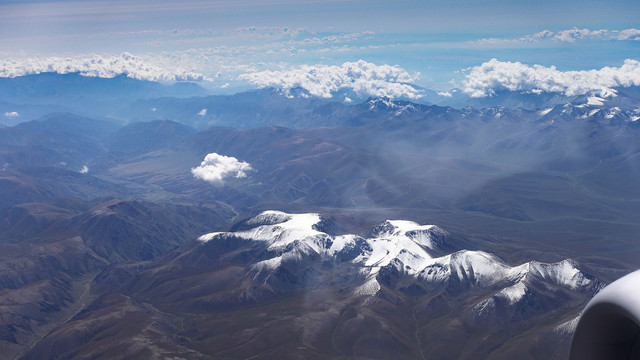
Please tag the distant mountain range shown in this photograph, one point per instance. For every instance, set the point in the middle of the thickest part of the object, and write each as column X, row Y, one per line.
column 123, row 100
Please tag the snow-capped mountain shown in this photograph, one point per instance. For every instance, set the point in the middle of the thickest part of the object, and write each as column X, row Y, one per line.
column 402, row 248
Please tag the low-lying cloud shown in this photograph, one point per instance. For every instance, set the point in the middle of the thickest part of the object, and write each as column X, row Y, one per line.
column 495, row 75
column 215, row 168
column 97, row 66
column 362, row 77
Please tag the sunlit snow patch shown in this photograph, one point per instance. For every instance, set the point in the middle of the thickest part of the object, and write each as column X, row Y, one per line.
column 514, row 293
column 595, row 101
column 545, row 111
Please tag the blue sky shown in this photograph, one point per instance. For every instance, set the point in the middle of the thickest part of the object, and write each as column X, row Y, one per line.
column 432, row 41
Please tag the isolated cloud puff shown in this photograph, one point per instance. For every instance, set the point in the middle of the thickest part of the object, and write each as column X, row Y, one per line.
column 97, row 66
column 321, row 80
column 495, row 75
column 11, row 114
column 215, row 168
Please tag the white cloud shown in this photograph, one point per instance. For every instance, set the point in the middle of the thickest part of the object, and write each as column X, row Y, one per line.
column 202, row 112
column 495, row 75
column 215, row 168
column 569, row 35
column 629, row 34
column 321, row 80
column 97, row 66
column 445, row 93
column 11, row 114
column 580, row 34
column 84, row 170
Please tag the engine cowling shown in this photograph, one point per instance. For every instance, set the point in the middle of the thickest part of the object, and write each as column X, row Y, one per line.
column 609, row 327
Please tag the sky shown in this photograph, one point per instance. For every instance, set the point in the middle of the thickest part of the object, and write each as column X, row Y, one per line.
column 237, row 44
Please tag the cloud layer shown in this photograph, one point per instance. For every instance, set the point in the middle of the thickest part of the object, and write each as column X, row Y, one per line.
column 495, row 75
column 570, row 35
column 97, row 66
column 215, row 168
column 321, row 80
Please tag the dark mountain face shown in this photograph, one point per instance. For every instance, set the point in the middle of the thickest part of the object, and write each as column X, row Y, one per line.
column 63, row 140
column 99, row 226
column 52, row 251
column 144, row 137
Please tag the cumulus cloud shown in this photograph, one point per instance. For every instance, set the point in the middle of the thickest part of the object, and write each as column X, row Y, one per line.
column 495, row 75
column 11, row 114
column 84, row 170
column 202, row 112
column 215, row 168
column 569, row 35
column 321, row 80
column 97, row 66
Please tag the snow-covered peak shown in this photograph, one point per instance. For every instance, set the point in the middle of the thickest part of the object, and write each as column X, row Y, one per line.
column 387, row 103
column 280, row 229
column 513, row 293
column 269, row 217
column 404, row 229
column 478, row 267
column 401, row 242
column 495, row 112
column 595, row 101
column 482, row 269
column 612, row 112
column 423, row 235
column 382, row 103
column 563, row 273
